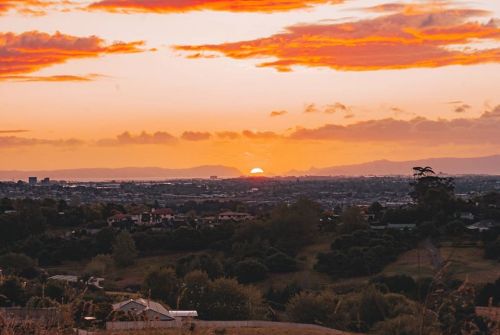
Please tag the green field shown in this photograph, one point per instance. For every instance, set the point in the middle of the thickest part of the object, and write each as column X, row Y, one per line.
column 464, row 263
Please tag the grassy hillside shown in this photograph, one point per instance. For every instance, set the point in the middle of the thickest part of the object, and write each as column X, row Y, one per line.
column 465, row 262
column 231, row 331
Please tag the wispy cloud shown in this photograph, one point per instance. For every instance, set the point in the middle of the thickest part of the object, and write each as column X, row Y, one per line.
column 260, row 135
column 29, row 52
column 30, row 7
column 56, row 78
column 177, row 6
column 429, row 34
column 278, row 113
column 126, row 138
column 337, row 107
column 14, row 141
column 310, row 109
column 462, row 108
column 13, row 131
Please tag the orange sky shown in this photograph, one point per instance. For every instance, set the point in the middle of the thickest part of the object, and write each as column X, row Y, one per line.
column 277, row 84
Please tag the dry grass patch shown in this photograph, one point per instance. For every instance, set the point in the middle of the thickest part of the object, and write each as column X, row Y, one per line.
column 467, row 262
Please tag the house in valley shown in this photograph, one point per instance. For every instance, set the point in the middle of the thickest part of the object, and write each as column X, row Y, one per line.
column 145, row 309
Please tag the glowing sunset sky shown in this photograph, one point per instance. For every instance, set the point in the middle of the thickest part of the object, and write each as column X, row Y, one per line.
column 277, row 84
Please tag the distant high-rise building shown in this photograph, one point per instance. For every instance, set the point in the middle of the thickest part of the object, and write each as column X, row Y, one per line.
column 32, row 181
column 214, row 177
column 46, row 181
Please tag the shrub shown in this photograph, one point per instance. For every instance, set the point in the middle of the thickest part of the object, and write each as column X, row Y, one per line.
column 281, row 262
column 250, row 271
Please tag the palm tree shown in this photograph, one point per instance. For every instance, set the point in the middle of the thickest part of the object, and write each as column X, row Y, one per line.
column 419, row 172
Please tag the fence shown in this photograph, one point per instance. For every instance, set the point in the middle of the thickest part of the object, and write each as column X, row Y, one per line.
column 135, row 325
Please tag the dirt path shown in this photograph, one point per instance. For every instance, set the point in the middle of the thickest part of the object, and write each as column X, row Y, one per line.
column 434, row 254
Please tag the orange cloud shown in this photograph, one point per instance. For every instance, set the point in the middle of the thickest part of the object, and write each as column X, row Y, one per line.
column 228, row 135
column 337, row 107
column 423, row 35
column 14, row 141
column 260, row 135
column 13, row 131
column 195, row 136
column 177, row 6
column 57, row 78
column 462, row 108
column 311, row 108
column 36, row 7
column 481, row 130
column 33, row 51
column 143, row 138
column 33, row 7
column 278, row 113
column 419, row 131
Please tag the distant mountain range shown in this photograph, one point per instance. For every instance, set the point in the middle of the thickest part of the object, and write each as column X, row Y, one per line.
column 489, row 165
column 128, row 173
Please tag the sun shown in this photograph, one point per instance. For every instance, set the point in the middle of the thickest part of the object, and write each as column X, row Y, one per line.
column 256, row 171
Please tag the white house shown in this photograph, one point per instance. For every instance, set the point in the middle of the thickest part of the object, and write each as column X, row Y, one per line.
column 151, row 310
column 481, row 226
column 235, row 216
column 148, row 309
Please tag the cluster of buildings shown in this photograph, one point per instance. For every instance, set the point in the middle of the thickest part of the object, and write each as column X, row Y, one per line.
column 165, row 217
column 33, row 181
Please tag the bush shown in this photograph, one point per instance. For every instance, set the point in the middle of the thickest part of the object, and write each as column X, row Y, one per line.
column 281, row 262
column 489, row 294
column 307, row 307
column 279, row 297
column 403, row 325
column 202, row 262
column 227, row 300
column 99, row 265
column 402, row 284
column 19, row 265
column 13, row 289
column 194, row 293
column 250, row 271
column 124, row 250
column 162, row 284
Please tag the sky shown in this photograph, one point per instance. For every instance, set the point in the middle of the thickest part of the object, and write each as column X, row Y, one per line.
column 279, row 84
